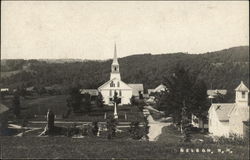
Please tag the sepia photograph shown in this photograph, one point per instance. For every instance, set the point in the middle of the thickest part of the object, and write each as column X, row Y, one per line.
column 124, row 80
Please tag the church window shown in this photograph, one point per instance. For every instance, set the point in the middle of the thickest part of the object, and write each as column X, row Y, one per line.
column 243, row 94
column 115, row 68
column 110, row 92
column 120, row 93
column 118, row 84
column 112, row 84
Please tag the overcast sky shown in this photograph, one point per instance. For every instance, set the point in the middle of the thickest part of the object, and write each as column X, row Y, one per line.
column 88, row 30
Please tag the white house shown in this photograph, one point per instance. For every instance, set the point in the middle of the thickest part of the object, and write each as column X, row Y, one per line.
column 158, row 89
column 137, row 89
column 228, row 118
column 115, row 84
column 4, row 89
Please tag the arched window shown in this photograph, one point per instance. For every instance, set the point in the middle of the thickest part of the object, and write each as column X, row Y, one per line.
column 110, row 92
column 118, row 84
column 112, row 84
column 120, row 92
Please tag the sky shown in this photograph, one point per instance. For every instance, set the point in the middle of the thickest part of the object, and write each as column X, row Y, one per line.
column 88, row 30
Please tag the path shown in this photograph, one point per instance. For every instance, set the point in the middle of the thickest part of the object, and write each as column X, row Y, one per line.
column 155, row 128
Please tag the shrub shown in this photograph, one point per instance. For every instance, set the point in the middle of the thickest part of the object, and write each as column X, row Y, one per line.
column 71, row 131
column 95, row 128
column 233, row 139
column 111, row 127
column 134, row 130
column 146, row 128
column 84, row 131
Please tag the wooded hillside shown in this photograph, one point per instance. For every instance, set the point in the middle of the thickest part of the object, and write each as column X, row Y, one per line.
column 221, row 69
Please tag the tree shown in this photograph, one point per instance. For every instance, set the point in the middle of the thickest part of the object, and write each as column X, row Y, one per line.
column 133, row 101
column 201, row 103
column 185, row 124
column 140, row 95
column 116, row 99
column 74, row 100
column 111, row 127
column 146, row 128
column 16, row 104
column 99, row 100
column 95, row 128
column 179, row 96
column 134, row 130
column 179, row 90
column 87, row 102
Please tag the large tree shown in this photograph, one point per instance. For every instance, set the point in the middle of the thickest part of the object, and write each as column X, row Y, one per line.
column 178, row 95
column 186, row 95
column 201, row 102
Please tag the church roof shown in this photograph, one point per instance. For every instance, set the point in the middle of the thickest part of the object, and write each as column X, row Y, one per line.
column 222, row 110
column 242, row 87
column 3, row 108
column 92, row 92
column 136, row 88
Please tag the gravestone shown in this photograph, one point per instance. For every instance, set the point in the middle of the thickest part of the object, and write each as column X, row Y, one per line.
column 50, row 121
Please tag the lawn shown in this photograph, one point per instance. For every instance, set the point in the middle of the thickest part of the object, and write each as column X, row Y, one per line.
column 35, row 108
column 64, row 147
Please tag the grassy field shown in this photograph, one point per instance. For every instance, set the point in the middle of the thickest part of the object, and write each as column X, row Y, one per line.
column 63, row 147
column 167, row 147
column 8, row 74
column 35, row 108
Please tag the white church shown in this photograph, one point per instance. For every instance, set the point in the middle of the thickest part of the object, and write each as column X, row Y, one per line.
column 115, row 84
column 230, row 118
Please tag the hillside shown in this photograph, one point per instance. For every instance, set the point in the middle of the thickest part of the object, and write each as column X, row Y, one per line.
column 221, row 69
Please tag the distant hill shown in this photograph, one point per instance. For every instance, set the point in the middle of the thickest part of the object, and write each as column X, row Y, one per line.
column 221, row 69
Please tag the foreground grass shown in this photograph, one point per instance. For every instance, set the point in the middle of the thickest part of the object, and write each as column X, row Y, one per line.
column 63, row 147
column 167, row 147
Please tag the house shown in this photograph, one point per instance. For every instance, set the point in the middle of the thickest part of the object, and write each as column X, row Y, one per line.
column 213, row 93
column 216, row 93
column 4, row 90
column 150, row 91
column 198, row 122
column 3, row 119
column 115, row 85
column 158, row 89
column 229, row 118
column 137, row 89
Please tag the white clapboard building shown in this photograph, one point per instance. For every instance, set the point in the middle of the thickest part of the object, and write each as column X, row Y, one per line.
column 229, row 118
column 115, row 84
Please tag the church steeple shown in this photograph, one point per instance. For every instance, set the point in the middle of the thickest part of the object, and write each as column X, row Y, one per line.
column 115, row 56
column 242, row 94
column 115, row 73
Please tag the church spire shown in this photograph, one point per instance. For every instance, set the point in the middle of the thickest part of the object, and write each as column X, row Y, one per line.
column 115, row 73
column 115, row 61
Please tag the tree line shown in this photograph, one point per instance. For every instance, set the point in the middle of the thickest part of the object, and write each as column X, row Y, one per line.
column 219, row 70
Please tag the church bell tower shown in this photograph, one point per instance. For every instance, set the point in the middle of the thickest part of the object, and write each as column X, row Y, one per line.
column 115, row 73
column 242, row 95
